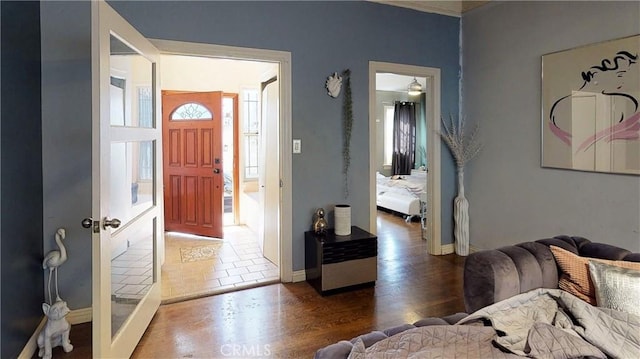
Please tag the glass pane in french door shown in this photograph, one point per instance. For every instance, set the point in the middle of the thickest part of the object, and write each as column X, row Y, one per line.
column 132, row 269
column 132, row 178
column 130, row 72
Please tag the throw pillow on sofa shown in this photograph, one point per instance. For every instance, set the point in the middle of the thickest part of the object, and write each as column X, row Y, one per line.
column 575, row 277
column 616, row 288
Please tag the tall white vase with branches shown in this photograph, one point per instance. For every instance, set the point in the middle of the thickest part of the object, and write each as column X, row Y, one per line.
column 463, row 148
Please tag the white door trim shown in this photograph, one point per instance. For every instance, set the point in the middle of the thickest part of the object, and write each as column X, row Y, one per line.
column 283, row 58
column 433, row 231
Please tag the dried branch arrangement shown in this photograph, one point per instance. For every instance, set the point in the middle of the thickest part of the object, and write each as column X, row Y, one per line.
column 463, row 148
column 347, row 125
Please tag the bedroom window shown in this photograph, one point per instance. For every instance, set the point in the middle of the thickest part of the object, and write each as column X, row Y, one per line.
column 251, row 132
column 388, row 135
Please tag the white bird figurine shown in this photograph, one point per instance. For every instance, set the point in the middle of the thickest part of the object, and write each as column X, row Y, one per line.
column 54, row 259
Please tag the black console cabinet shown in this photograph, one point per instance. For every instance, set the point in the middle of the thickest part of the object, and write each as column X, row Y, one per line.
column 334, row 263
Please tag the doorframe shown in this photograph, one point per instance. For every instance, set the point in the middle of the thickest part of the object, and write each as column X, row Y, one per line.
column 433, row 232
column 283, row 59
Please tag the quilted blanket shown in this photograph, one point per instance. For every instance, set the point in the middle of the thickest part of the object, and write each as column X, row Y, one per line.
column 542, row 323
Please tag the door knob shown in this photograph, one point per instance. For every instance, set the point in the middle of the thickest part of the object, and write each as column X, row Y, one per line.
column 90, row 223
column 113, row 223
column 216, row 170
column 87, row 222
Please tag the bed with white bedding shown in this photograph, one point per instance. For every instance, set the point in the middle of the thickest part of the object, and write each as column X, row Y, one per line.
column 404, row 194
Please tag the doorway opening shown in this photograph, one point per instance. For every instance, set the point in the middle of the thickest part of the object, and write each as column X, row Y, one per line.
column 213, row 126
column 388, row 85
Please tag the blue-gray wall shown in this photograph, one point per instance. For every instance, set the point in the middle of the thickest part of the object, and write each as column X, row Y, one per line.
column 323, row 37
column 66, row 141
column 512, row 199
column 21, row 176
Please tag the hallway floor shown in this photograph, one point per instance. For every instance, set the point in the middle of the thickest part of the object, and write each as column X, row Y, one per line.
column 198, row 266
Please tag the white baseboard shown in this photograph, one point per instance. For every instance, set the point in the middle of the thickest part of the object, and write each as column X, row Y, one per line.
column 450, row 248
column 447, row 248
column 299, row 276
column 77, row 316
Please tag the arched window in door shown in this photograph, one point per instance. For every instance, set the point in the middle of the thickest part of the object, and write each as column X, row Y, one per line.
column 191, row 111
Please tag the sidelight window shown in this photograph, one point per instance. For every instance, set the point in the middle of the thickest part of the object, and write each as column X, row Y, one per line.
column 251, row 132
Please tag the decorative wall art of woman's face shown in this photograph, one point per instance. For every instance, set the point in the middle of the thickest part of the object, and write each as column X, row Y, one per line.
column 623, row 75
column 591, row 108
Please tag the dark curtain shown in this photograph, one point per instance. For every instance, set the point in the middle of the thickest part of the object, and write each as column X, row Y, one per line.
column 404, row 138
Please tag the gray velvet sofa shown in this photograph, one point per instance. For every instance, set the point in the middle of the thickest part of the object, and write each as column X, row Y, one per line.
column 493, row 275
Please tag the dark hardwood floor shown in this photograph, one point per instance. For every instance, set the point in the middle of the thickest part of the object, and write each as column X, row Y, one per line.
column 292, row 320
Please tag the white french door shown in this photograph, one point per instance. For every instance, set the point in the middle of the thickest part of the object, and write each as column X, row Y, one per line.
column 127, row 184
column 269, row 176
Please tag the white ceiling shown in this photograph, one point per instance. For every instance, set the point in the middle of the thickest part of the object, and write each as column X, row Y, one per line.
column 450, row 7
column 212, row 74
column 395, row 82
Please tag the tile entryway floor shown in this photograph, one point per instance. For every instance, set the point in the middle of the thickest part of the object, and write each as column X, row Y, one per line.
column 197, row 266
column 131, row 272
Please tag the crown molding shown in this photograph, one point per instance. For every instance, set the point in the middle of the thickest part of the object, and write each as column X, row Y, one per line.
column 450, row 8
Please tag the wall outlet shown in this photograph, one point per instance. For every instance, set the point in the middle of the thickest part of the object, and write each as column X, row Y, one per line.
column 297, row 146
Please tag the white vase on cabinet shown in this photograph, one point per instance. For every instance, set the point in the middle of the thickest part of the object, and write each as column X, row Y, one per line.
column 342, row 219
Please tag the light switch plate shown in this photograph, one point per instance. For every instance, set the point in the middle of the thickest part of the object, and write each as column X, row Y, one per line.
column 297, row 146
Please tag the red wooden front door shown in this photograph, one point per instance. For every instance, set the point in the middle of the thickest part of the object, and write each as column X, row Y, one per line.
column 192, row 148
